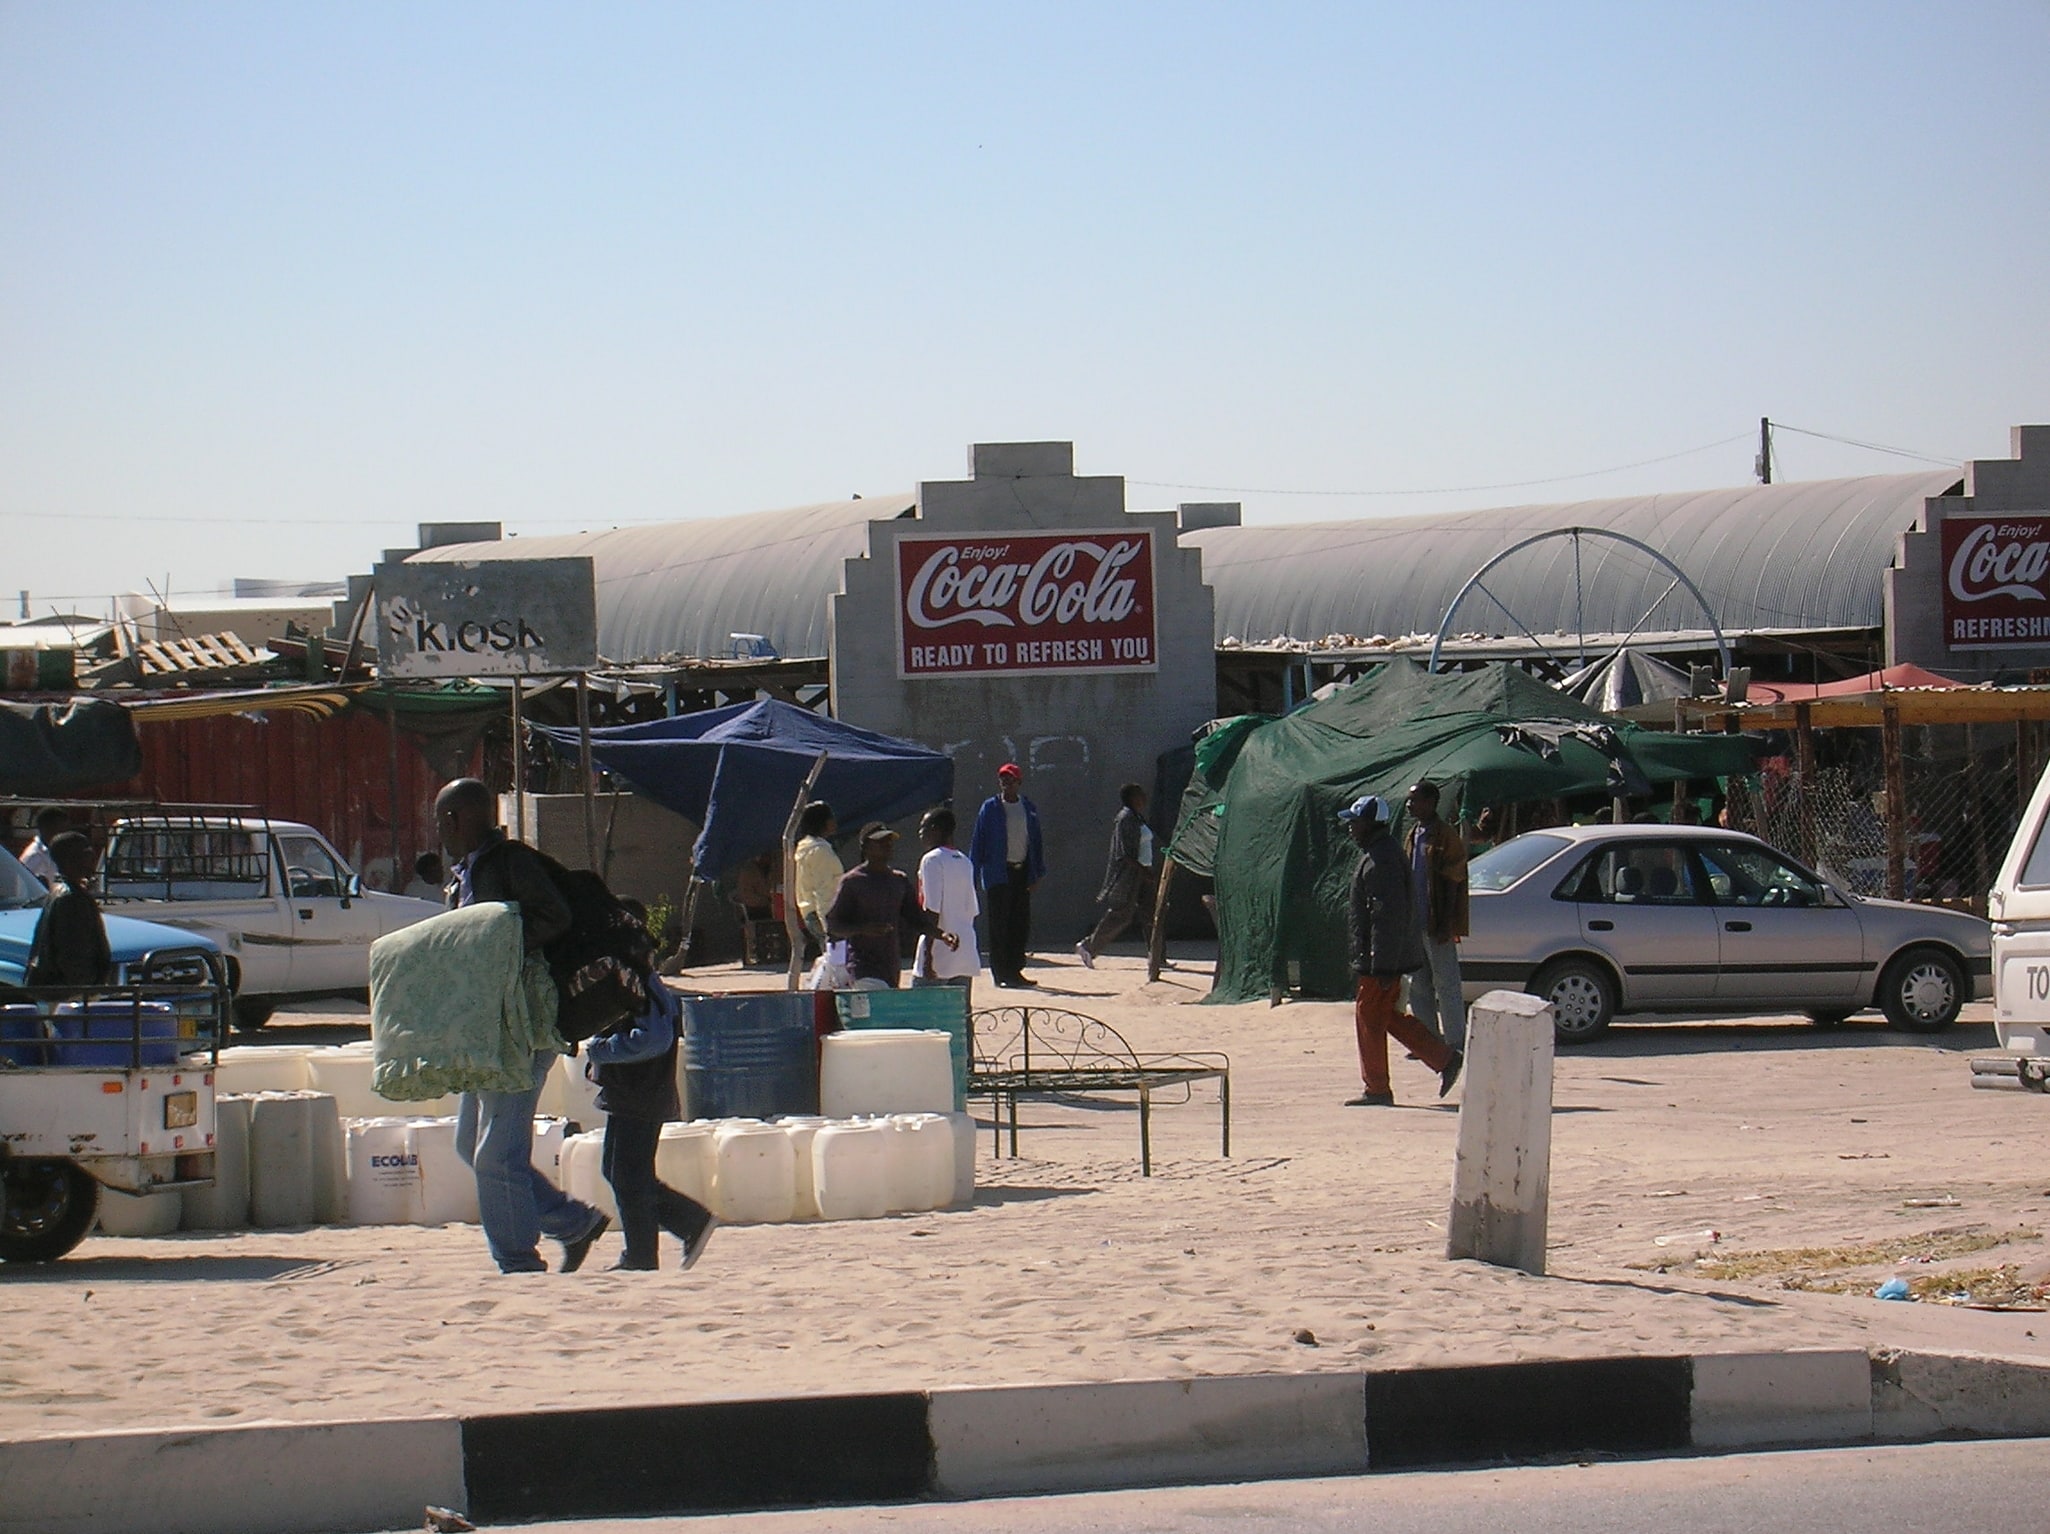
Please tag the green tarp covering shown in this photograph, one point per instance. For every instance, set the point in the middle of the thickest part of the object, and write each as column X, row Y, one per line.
column 1262, row 820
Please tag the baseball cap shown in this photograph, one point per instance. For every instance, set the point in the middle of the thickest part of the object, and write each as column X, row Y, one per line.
column 1010, row 770
column 1366, row 807
column 876, row 831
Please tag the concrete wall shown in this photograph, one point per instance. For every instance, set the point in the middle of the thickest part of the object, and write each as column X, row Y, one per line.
column 1914, row 586
column 1077, row 735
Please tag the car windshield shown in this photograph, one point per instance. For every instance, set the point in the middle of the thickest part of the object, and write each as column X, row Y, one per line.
column 18, row 887
column 1499, row 867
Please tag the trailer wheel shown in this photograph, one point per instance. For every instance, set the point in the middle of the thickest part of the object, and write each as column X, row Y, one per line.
column 49, row 1206
column 252, row 1012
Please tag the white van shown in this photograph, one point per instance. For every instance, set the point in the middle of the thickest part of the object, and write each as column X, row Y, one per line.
column 2019, row 907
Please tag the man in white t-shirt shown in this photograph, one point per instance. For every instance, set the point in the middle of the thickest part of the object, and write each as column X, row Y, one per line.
column 35, row 857
column 946, row 887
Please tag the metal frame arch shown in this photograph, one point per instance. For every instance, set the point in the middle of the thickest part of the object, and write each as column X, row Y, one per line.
column 1680, row 577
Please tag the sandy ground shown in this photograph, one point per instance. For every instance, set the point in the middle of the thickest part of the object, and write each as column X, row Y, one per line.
column 1326, row 1223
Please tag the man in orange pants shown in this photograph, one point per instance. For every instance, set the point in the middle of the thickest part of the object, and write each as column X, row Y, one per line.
column 1386, row 945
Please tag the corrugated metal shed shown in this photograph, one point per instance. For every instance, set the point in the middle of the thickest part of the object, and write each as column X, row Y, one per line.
column 680, row 589
column 1792, row 556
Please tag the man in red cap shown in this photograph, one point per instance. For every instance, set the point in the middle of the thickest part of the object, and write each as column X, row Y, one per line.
column 1009, row 859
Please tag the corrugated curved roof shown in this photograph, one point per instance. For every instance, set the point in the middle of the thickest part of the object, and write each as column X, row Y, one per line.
column 1802, row 555
column 680, row 589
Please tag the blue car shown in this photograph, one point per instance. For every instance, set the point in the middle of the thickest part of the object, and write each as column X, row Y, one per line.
column 145, row 952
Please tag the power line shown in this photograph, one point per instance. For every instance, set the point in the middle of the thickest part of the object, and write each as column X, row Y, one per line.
column 1871, row 447
column 1511, row 484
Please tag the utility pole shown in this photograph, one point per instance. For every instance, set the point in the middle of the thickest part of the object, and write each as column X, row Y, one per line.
column 1764, row 465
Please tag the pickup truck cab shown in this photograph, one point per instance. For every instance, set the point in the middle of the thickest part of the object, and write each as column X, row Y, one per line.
column 2019, row 908
column 110, row 1088
column 287, row 911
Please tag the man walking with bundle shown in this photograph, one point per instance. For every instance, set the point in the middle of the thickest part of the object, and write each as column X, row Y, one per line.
column 1436, row 853
column 1386, row 945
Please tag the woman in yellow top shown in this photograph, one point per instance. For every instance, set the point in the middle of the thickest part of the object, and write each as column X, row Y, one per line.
column 818, row 868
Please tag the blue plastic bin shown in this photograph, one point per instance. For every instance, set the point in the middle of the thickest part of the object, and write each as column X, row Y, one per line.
column 750, row 1057
column 89, row 1035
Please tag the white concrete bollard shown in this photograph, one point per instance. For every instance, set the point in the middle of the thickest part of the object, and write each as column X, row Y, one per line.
column 1501, row 1181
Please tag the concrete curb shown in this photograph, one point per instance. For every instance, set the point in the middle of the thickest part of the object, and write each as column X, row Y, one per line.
column 715, row 1456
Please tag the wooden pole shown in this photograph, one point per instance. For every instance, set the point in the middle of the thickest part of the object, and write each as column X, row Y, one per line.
column 793, row 919
column 1804, row 803
column 391, row 742
column 519, row 776
column 589, row 773
column 1501, row 1178
column 1156, row 940
column 1896, row 805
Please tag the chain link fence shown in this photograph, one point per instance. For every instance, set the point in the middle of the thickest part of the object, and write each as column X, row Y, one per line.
column 1962, row 791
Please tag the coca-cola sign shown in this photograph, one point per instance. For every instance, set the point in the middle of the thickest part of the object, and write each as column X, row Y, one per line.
column 1996, row 581
column 1009, row 602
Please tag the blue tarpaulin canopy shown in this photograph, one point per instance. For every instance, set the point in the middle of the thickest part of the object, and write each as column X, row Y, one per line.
column 735, row 772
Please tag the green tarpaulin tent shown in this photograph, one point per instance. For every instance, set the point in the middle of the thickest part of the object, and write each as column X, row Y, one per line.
column 1260, row 815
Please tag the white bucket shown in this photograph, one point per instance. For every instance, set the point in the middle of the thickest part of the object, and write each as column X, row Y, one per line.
column 802, row 1131
column 139, row 1214
column 330, row 1162
column 345, row 1076
column 583, row 1159
column 384, row 1173
column 282, row 1126
column 566, row 1094
column 549, row 1135
column 448, row 1188
column 886, row 1070
column 225, row 1205
column 754, row 1178
column 921, row 1162
column 683, row 1159
column 963, row 1127
column 248, row 1068
column 850, row 1168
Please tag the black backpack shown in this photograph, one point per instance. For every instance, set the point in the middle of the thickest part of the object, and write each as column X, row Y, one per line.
column 603, row 966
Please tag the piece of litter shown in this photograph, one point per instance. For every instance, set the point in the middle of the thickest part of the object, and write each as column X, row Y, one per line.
column 1668, row 1193
column 1945, row 1202
column 1305, row 1336
column 1892, row 1289
column 1864, row 1156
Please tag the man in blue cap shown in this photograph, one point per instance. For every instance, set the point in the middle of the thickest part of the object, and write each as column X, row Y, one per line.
column 1387, row 943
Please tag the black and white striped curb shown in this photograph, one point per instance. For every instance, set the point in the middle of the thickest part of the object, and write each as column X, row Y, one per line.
column 343, row 1477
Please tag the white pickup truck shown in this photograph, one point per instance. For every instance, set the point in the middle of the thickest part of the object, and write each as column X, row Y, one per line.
column 289, row 913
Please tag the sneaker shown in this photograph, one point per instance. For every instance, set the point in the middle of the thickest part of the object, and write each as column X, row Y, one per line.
column 1371, row 1100
column 694, row 1246
column 1088, row 959
column 1451, row 1072
column 574, row 1252
column 627, row 1265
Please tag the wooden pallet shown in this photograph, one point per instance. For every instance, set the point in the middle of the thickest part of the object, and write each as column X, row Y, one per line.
column 207, row 652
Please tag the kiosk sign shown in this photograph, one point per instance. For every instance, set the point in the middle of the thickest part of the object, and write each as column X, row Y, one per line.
column 1996, row 581
column 494, row 617
column 1004, row 603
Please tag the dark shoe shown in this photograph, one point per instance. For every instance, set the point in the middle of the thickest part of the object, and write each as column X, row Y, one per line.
column 628, row 1265
column 1451, row 1072
column 1371, row 1100
column 574, row 1252
column 694, row 1245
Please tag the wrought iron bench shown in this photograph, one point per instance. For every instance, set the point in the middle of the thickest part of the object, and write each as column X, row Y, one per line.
column 1049, row 1052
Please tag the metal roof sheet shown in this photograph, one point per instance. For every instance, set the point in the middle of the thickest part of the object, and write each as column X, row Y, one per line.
column 677, row 589
column 1802, row 555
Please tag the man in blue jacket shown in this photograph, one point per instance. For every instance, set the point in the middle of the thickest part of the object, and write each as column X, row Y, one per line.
column 1009, row 859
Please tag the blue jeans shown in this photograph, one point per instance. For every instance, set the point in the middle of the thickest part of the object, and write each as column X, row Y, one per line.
column 495, row 1137
column 1435, row 995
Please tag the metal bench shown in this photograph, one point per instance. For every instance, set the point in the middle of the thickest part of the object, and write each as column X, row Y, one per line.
column 1049, row 1052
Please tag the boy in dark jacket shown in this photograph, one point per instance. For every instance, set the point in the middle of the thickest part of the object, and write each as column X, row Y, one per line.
column 1386, row 945
column 634, row 1064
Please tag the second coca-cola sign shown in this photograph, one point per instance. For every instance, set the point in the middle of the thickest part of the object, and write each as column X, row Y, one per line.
column 1009, row 602
column 1996, row 581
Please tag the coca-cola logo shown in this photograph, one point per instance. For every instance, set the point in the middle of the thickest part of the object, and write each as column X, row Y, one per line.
column 1073, row 581
column 2001, row 559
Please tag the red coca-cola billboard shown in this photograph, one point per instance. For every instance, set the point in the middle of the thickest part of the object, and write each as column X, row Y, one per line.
column 1996, row 581
column 999, row 603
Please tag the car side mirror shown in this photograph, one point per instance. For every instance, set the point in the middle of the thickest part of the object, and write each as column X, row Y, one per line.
column 352, row 888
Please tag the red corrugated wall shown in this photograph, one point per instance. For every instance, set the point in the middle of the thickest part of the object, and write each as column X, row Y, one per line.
column 334, row 774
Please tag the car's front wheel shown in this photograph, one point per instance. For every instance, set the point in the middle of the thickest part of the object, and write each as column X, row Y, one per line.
column 49, row 1206
column 252, row 1012
column 1582, row 995
column 1923, row 990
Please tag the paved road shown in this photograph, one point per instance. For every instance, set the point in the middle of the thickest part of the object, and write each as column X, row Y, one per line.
column 1952, row 1488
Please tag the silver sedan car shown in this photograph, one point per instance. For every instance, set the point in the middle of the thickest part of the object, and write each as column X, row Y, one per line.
column 1648, row 918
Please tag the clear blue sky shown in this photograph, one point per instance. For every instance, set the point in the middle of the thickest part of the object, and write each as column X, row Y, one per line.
column 279, row 280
